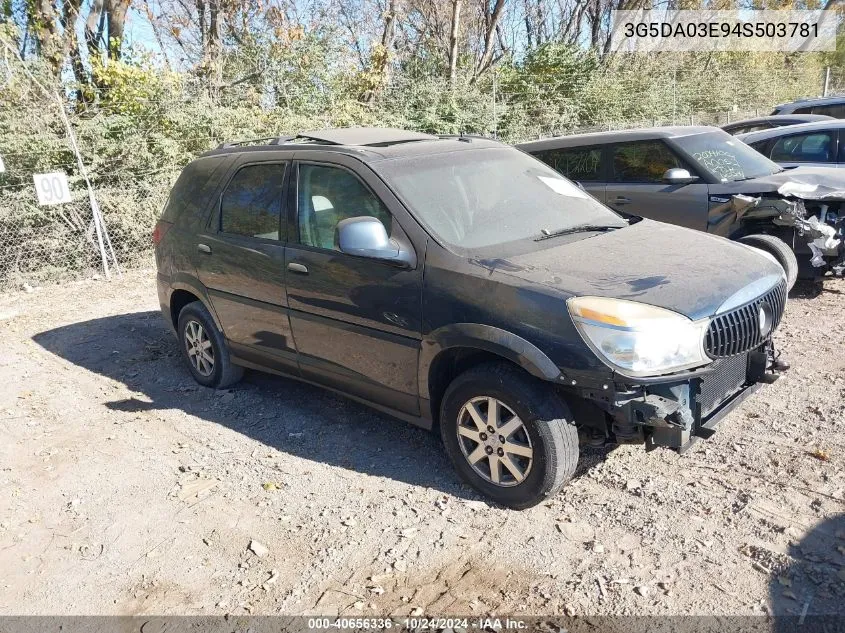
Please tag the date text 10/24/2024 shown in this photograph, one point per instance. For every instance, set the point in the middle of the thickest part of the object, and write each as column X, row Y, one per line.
column 418, row 623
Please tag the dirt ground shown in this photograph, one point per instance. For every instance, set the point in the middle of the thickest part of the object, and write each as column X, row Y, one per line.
column 125, row 488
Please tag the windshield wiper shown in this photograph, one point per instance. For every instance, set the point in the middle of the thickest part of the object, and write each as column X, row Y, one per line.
column 579, row 228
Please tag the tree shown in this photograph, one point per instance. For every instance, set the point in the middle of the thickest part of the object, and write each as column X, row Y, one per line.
column 491, row 24
column 454, row 34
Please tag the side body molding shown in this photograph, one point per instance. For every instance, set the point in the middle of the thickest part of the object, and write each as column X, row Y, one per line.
column 486, row 338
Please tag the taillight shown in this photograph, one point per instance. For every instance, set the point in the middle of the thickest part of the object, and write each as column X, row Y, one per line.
column 160, row 231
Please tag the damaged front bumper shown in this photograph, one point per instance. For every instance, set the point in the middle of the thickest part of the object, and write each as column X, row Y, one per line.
column 674, row 411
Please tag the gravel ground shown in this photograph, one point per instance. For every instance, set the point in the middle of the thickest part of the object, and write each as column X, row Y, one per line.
column 125, row 488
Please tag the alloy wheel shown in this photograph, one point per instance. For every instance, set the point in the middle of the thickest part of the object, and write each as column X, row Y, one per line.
column 200, row 351
column 494, row 441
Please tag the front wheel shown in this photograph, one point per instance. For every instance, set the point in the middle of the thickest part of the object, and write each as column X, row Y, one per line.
column 778, row 249
column 509, row 435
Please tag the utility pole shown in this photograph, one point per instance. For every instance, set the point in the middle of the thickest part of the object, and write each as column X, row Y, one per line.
column 495, row 119
column 674, row 94
column 99, row 223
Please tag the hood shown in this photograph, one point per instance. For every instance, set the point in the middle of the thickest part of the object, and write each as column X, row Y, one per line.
column 679, row 269
column 807, row 183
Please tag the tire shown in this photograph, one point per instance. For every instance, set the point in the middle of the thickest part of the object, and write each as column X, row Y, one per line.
column 780, row 250
column 197, row 330
column 547, row 432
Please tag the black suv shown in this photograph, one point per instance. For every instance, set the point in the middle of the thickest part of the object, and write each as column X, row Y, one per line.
column 458, row 281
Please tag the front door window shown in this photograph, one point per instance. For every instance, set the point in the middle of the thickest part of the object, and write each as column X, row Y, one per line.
column 328, row 195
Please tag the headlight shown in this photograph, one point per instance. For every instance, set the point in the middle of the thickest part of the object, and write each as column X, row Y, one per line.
column 639, row 339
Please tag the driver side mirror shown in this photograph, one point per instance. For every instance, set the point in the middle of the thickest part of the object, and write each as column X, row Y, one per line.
column 678, row 176
column 365, row 236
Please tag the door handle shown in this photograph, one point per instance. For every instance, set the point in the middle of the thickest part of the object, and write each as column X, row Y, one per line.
column 204, row 248
column 622, row 200
column 297, row 268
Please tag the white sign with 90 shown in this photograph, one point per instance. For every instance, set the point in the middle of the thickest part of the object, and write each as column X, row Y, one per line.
column 52, row 188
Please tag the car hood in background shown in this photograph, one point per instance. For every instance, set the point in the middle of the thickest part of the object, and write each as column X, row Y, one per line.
column 686, row 271
column 807, row 183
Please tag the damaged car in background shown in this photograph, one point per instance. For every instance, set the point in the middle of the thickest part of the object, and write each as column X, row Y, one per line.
column 703, row 178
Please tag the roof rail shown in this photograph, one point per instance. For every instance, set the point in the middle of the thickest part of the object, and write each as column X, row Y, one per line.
column 466, row 138
column 273, row 140
column 372, row 137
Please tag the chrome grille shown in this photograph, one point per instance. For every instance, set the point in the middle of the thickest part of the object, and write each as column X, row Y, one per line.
column 738, row 331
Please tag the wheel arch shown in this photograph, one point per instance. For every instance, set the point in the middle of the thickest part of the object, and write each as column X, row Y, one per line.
column 453, row 349
column 185, row 290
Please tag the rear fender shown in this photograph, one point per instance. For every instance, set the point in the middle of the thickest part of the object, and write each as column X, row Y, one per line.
column 183, row 281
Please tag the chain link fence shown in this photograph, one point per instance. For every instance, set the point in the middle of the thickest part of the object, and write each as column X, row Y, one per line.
column 134, row 151
column 40, row 244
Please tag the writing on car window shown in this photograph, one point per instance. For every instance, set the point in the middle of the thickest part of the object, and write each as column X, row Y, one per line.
column 724, row 164
column 725, row 157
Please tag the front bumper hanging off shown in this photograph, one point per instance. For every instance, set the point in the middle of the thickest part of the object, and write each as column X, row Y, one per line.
column 674, row 413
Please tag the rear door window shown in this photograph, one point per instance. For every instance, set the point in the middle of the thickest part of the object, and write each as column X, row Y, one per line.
column 643, row 161
column 251, row 206
column 577, row 163
column 812, row 147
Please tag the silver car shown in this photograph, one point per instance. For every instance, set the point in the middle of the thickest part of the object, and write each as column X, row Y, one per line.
column 771, row 122
column 821, row 143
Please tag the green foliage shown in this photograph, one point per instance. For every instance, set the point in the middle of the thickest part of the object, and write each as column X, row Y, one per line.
column 130, row 85
column 143, row 123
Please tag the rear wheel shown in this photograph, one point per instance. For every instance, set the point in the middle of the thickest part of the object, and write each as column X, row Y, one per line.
column 778, row 249
column 508, row 434
column 204, row 348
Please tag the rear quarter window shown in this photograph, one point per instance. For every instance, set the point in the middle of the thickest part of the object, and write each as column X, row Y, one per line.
column 189, row 197
column 836, row 110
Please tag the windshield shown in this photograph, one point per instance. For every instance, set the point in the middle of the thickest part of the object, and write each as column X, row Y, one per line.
column 480, row 198
column 726, row 158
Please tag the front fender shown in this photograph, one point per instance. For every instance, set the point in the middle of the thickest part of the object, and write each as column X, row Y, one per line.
column 489, row 339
